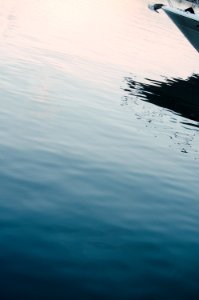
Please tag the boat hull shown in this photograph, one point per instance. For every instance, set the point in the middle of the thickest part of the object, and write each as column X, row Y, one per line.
column 187, row 23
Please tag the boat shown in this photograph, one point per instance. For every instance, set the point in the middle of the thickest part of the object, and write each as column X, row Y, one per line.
column 186, row 20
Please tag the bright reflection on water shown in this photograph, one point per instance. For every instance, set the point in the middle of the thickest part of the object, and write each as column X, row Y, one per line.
column 98, row 152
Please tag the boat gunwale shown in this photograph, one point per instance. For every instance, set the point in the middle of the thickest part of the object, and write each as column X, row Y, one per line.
column 181, row 12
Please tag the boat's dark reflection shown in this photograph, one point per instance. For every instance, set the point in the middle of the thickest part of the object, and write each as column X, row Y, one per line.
column 179, row 95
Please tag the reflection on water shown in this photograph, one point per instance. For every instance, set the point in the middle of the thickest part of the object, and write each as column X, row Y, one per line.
column 177, row 96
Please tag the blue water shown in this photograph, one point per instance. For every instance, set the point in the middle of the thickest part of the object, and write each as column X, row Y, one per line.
column 99, row 140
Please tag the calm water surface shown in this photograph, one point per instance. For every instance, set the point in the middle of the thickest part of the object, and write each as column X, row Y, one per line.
column 99, row 140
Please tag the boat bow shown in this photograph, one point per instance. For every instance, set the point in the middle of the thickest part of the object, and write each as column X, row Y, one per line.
column 186, row 20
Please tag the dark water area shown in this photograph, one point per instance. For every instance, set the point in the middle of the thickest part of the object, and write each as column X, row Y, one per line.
column 176, row 94
column 99, row 152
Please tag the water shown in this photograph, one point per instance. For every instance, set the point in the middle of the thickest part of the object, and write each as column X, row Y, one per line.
column 98, row 152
